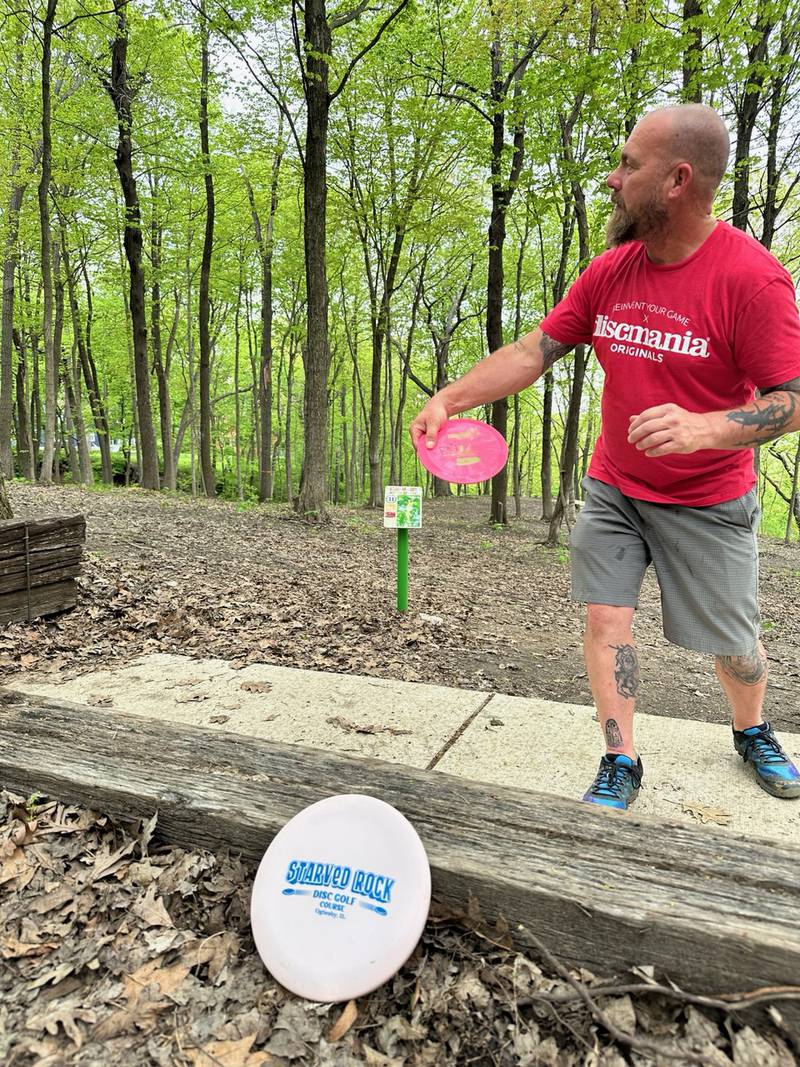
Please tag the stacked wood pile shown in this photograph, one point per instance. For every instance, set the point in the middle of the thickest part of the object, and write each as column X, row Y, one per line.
column 39, row 564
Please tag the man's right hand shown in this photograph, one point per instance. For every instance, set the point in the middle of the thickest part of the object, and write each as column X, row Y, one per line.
column 429, row 421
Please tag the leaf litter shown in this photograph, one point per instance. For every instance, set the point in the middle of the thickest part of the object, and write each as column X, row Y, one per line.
column 115, row 949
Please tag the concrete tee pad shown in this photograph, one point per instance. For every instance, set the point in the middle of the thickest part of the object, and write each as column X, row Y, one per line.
column 691, row 770
column 403, row 722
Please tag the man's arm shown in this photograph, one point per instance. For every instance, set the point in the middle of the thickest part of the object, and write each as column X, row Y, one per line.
column 667, row 428
column 506, row 371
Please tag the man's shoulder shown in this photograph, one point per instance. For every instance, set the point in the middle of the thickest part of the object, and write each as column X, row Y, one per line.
column 746, row 257
column 608, row 263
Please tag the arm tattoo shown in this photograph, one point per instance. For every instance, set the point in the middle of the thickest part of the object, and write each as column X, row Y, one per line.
column 551, row 351
column 749, row 669
column 767, row 422
column 613, row 734
column 626, row 674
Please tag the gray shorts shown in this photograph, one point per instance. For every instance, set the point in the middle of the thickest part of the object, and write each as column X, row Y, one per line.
column 706, row 561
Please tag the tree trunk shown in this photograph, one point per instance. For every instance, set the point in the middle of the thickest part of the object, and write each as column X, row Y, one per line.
column 204, row 308
column 162, row 377
column 84, row 455
column 25, row 458
column 72, row 383
column 692, row 52
column 5, row 504
column 50, row 358
column 237, row 399
column 122, row 92
column 547, row 448
column 288, row 431
column 316, row 353
column 747, row 108
column 97, row 402
column 58, row 331
column 502, row 192
column 70, row 434
column 265, row 240
column 6, row 369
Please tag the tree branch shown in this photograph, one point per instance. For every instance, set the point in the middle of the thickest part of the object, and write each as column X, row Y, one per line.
column 368, row 47
column 348, row 16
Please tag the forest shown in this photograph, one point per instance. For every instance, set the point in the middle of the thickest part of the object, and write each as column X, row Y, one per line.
column 243, row 241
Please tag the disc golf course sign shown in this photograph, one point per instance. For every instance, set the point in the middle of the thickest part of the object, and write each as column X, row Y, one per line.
column 402, row 511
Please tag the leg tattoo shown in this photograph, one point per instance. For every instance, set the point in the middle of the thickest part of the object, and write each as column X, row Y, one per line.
column 749, row 669
column 626, row 674
column 613, row 734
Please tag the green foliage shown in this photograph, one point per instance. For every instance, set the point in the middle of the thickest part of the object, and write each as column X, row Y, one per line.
column 410, row 152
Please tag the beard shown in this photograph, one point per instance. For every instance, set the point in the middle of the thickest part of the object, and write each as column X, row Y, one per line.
column 623, row 225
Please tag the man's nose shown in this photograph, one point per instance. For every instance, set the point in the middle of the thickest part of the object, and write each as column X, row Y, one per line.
column 613, row 182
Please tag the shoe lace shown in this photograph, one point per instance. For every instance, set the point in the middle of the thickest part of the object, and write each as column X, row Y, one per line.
column 609, row 780
column 765, row 748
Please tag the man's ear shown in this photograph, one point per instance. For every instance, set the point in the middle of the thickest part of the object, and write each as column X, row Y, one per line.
column 680, row 179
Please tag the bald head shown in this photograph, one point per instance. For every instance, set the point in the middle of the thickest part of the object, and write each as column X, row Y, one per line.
column 695, row 134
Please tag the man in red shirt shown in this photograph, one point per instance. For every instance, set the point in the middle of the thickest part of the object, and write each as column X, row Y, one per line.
column 696, row 327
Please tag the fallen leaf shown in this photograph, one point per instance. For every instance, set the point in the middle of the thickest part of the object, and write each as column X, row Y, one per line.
column 228, row 1054
column 151, row 909
column 344, row 1022
column 100, row 702
column 219, row 718
column 359, row 728
column 704, row 813
column 256, row 687
column 13, row 949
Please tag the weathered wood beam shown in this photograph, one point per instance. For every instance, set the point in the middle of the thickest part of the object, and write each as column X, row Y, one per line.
column 39, row 562
column 712, row 911
column 44, row 600
column 42, row 533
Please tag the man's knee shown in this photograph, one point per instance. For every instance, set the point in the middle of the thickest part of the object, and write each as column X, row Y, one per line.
column 607, row 621
column 749, row 669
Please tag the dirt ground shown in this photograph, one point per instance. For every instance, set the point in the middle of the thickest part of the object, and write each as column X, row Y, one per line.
column 489, row 609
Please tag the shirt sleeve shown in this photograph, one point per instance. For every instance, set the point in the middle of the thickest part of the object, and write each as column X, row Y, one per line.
column 767, row 335
column 571, row 320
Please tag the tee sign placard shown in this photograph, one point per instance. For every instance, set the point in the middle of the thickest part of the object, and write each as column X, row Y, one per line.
column 402, row 507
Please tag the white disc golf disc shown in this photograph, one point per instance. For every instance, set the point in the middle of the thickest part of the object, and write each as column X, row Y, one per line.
column 340, row 898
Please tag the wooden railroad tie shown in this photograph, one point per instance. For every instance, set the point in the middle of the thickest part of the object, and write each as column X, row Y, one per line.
column 715, row 912
column 39, row 564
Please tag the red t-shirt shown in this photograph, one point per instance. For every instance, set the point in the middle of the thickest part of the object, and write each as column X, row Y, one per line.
column 703, row 333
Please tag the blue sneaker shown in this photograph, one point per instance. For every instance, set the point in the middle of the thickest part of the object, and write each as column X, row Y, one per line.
column 774, row 771
column 617, row 782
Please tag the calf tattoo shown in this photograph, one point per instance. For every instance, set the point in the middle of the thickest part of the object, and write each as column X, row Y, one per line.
column 613, row 734
column 626, row 673
column 749, row 669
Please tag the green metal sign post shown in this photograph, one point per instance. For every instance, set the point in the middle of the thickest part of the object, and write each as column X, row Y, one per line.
column 402, row 569
column 402, row 511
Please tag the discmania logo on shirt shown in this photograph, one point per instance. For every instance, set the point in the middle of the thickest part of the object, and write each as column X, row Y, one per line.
column 632, row 340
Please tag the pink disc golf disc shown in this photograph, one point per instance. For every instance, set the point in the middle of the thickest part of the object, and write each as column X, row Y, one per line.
column 466, row 451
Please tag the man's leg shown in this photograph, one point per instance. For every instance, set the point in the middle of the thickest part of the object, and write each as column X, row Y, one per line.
column 744, row 680
column 613, row 670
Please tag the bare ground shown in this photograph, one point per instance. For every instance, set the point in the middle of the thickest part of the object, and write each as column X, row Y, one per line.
column 168, row 574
